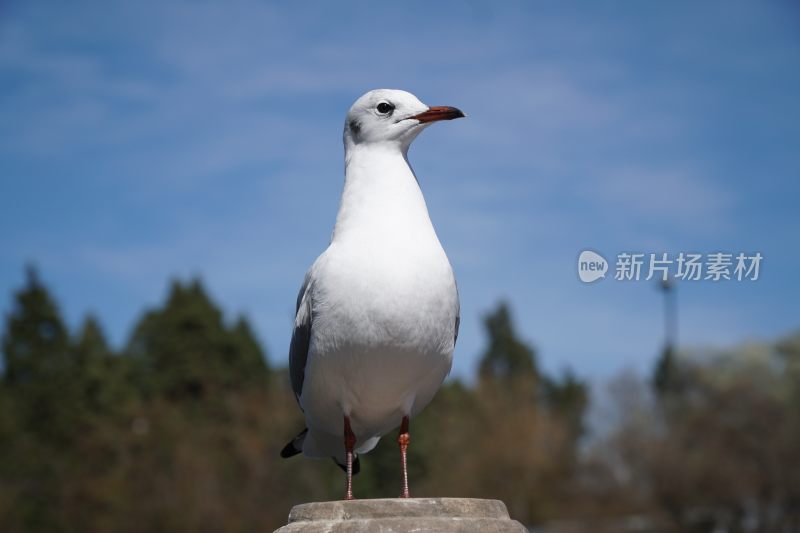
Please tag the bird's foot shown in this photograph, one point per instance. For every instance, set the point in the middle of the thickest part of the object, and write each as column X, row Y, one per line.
column 349, row 444
column 403, row 439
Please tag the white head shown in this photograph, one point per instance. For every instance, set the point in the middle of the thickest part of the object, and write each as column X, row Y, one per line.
column 391, row 116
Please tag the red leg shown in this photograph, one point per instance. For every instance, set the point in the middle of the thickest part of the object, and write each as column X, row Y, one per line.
column 403, row 439
column 349, row 443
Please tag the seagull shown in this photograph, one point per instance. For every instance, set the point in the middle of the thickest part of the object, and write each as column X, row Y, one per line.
column 378, row 313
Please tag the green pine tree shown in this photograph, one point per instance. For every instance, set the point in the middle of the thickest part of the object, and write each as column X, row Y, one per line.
column 186, row 350
column 36, row 352
column 248, row 359
column 104, row 378
column 35, row 341
column 41, row 396
column 506, row 356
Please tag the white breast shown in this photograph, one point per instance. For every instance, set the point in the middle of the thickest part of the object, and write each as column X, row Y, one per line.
column 382, row 337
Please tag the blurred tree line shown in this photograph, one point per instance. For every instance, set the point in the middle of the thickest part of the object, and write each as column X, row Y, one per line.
column 180, row 431
column 713, row 445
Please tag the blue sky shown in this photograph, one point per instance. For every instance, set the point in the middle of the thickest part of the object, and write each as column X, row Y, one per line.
column 147, row 140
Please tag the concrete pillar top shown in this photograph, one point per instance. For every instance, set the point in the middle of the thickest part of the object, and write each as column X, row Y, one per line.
column 398, row 515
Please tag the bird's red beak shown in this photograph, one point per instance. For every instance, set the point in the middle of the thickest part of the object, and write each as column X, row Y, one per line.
column 436, row 113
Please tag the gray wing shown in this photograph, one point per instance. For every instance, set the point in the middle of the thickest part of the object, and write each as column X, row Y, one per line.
column 301, row 337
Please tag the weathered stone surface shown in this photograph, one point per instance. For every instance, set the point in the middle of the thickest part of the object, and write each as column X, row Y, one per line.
column 402, row 516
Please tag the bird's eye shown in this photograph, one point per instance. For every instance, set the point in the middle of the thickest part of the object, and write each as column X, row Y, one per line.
column 384, row 108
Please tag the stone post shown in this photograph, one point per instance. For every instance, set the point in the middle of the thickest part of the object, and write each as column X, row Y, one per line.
column 398, row 515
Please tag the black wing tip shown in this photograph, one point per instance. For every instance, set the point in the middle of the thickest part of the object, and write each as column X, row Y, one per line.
column 289, row 450
column 294, row 446
column 356, row 465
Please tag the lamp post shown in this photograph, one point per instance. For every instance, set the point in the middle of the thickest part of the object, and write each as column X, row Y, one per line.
column 665, row 379
column 670, row 316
